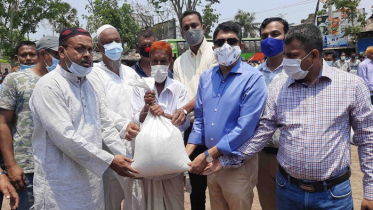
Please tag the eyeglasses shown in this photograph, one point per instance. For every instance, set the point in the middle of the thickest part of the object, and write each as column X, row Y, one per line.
column 230, row 41
column 82, row 50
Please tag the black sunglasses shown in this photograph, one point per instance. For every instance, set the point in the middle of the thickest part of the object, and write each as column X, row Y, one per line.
column 230, row 41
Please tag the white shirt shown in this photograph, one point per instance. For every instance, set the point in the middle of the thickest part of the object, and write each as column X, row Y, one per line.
column 70, row 126
column 115, row 92
column 189, row 66
column 173, row 96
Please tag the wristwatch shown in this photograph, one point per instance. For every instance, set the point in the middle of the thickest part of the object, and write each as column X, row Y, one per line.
column 208, row 157
column 3, row 172
column 185, row 111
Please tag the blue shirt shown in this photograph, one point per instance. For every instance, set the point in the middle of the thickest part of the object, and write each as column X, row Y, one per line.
column 365, row 71
column 141, row 73
column 228, row 109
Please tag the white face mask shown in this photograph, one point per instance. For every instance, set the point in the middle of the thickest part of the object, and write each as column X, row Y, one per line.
column 343, row 58
column 227, row 55
column 292, row 68
column 159, row 73
column 77, row 69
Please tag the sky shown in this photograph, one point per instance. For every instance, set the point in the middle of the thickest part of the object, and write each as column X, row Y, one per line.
column 291, row 10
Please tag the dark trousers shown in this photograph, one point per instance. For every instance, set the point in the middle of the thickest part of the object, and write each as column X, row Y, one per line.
column 198, row 182
column 371, row 98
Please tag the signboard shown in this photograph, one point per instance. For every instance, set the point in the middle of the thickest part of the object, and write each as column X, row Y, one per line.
column 338, row 40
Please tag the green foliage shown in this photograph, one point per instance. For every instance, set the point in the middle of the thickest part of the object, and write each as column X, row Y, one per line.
column 246, row 22
column 210, row 17
column 108, row 12
column 65, row 16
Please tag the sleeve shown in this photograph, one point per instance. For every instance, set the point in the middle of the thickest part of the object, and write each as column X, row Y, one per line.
column 264, row 131
column 8, row 93
column 182, row 101
column 50, row 108
column 362, row 71
column 137, row 104
column 251, row 108
column 362, row 124
column 198, row 131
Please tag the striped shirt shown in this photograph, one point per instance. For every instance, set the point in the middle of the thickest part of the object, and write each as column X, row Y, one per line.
column 315, row 123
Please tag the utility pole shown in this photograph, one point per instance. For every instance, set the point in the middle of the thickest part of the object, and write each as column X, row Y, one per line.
column 316, row 10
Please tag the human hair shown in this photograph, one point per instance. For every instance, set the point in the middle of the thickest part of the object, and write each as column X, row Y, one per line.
column 272, row 19
column 190, row 12
column 146, row 34
column 308, row 35
column 24, row 43
column 226, row 27
column 330, row 52
column 161, row 45
column 369, row 51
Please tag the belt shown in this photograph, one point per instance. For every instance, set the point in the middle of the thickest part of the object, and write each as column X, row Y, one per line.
column 316, row 186
column 270, row 150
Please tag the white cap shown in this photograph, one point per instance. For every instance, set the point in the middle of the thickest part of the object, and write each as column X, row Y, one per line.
column 102, row 28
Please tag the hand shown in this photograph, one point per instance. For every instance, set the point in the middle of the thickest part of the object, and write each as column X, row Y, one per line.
column 149, row 97
column 122, row 165
column 213, row 167
column 198, row 164
column 178, row 118
column 366, row 204
column 132, row 130
column 8, row 190
column 17, row 177
column 156, row 110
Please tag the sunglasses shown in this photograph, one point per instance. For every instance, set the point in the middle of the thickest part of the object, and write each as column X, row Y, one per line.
column 230, row 41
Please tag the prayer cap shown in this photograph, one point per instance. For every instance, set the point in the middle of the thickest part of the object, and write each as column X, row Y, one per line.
column 102, row 28
column 71, row 32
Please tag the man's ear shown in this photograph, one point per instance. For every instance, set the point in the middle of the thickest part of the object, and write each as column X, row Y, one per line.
column 61, row 52
column 204, row 28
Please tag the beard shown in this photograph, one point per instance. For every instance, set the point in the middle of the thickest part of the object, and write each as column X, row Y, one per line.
column 115, row 65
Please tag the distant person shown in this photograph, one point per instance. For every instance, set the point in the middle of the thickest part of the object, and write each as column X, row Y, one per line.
column 330, row 57
column 361, row 57
column 365, row 70
column 342, row 63
column 16, row 123
column 26, row 54
column 6, row 72
column 353, row 63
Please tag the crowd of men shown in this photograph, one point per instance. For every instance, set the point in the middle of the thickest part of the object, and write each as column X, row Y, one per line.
column 67, row 124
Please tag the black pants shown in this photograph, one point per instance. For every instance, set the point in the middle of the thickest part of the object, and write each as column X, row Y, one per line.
column 198, row 182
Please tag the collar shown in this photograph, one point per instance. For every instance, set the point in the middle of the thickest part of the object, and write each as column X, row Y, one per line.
column 169, row 85
column 235, row 70
column 326, row 72
column 70, row 76
column 201, row 48
column 264, row 67
column 102, row 66
column 367, row 59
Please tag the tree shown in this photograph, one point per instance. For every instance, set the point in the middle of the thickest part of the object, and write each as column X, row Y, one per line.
column 349, row 12
column 246, row 22
column 108, row 12
column 210, row 17
column 65, row 17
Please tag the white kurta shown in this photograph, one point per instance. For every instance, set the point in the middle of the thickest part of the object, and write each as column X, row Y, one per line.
column 70, row 126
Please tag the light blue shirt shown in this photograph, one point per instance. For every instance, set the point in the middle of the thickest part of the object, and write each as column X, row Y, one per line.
column 365, row 71
column 228, row 109
column 268, row 74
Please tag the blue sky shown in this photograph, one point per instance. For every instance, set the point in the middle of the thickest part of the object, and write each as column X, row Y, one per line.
column 292, row 10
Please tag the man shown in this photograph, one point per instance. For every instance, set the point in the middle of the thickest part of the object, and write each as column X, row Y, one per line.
column 353, row 63
column 272, row 33
column 342, row 64
column 6, row 72
column 314, row 109
column 365, row 70
column 7, row 190
column 187, row 69
column 16, row 124
column 71, row 125
column 229, row 102
column 26, row 55
column 329, row 57
column 110, row 78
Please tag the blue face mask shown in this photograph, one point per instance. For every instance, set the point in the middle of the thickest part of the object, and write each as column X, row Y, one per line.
column 113, row 50
column 330, row 63
column 272, row 47
column 23, row 67
column 55, row 61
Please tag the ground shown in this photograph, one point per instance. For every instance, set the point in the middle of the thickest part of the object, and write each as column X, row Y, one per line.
column 356, row 183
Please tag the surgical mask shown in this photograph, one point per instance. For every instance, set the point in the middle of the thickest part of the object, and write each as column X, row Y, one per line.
column 227, row 55
column 292, row 68
column 159, row 73
column 330, row 63
column 356, row 57
column 343, row 58
column 144, row 51
column 194, row 36
column 113, row 50
column 272, row 47
column 54, row 63
column 77, row 69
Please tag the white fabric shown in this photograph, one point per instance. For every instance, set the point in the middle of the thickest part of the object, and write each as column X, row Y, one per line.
column 189, row 66
column 159, row 147
column 70, row 126
column 102, row 28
